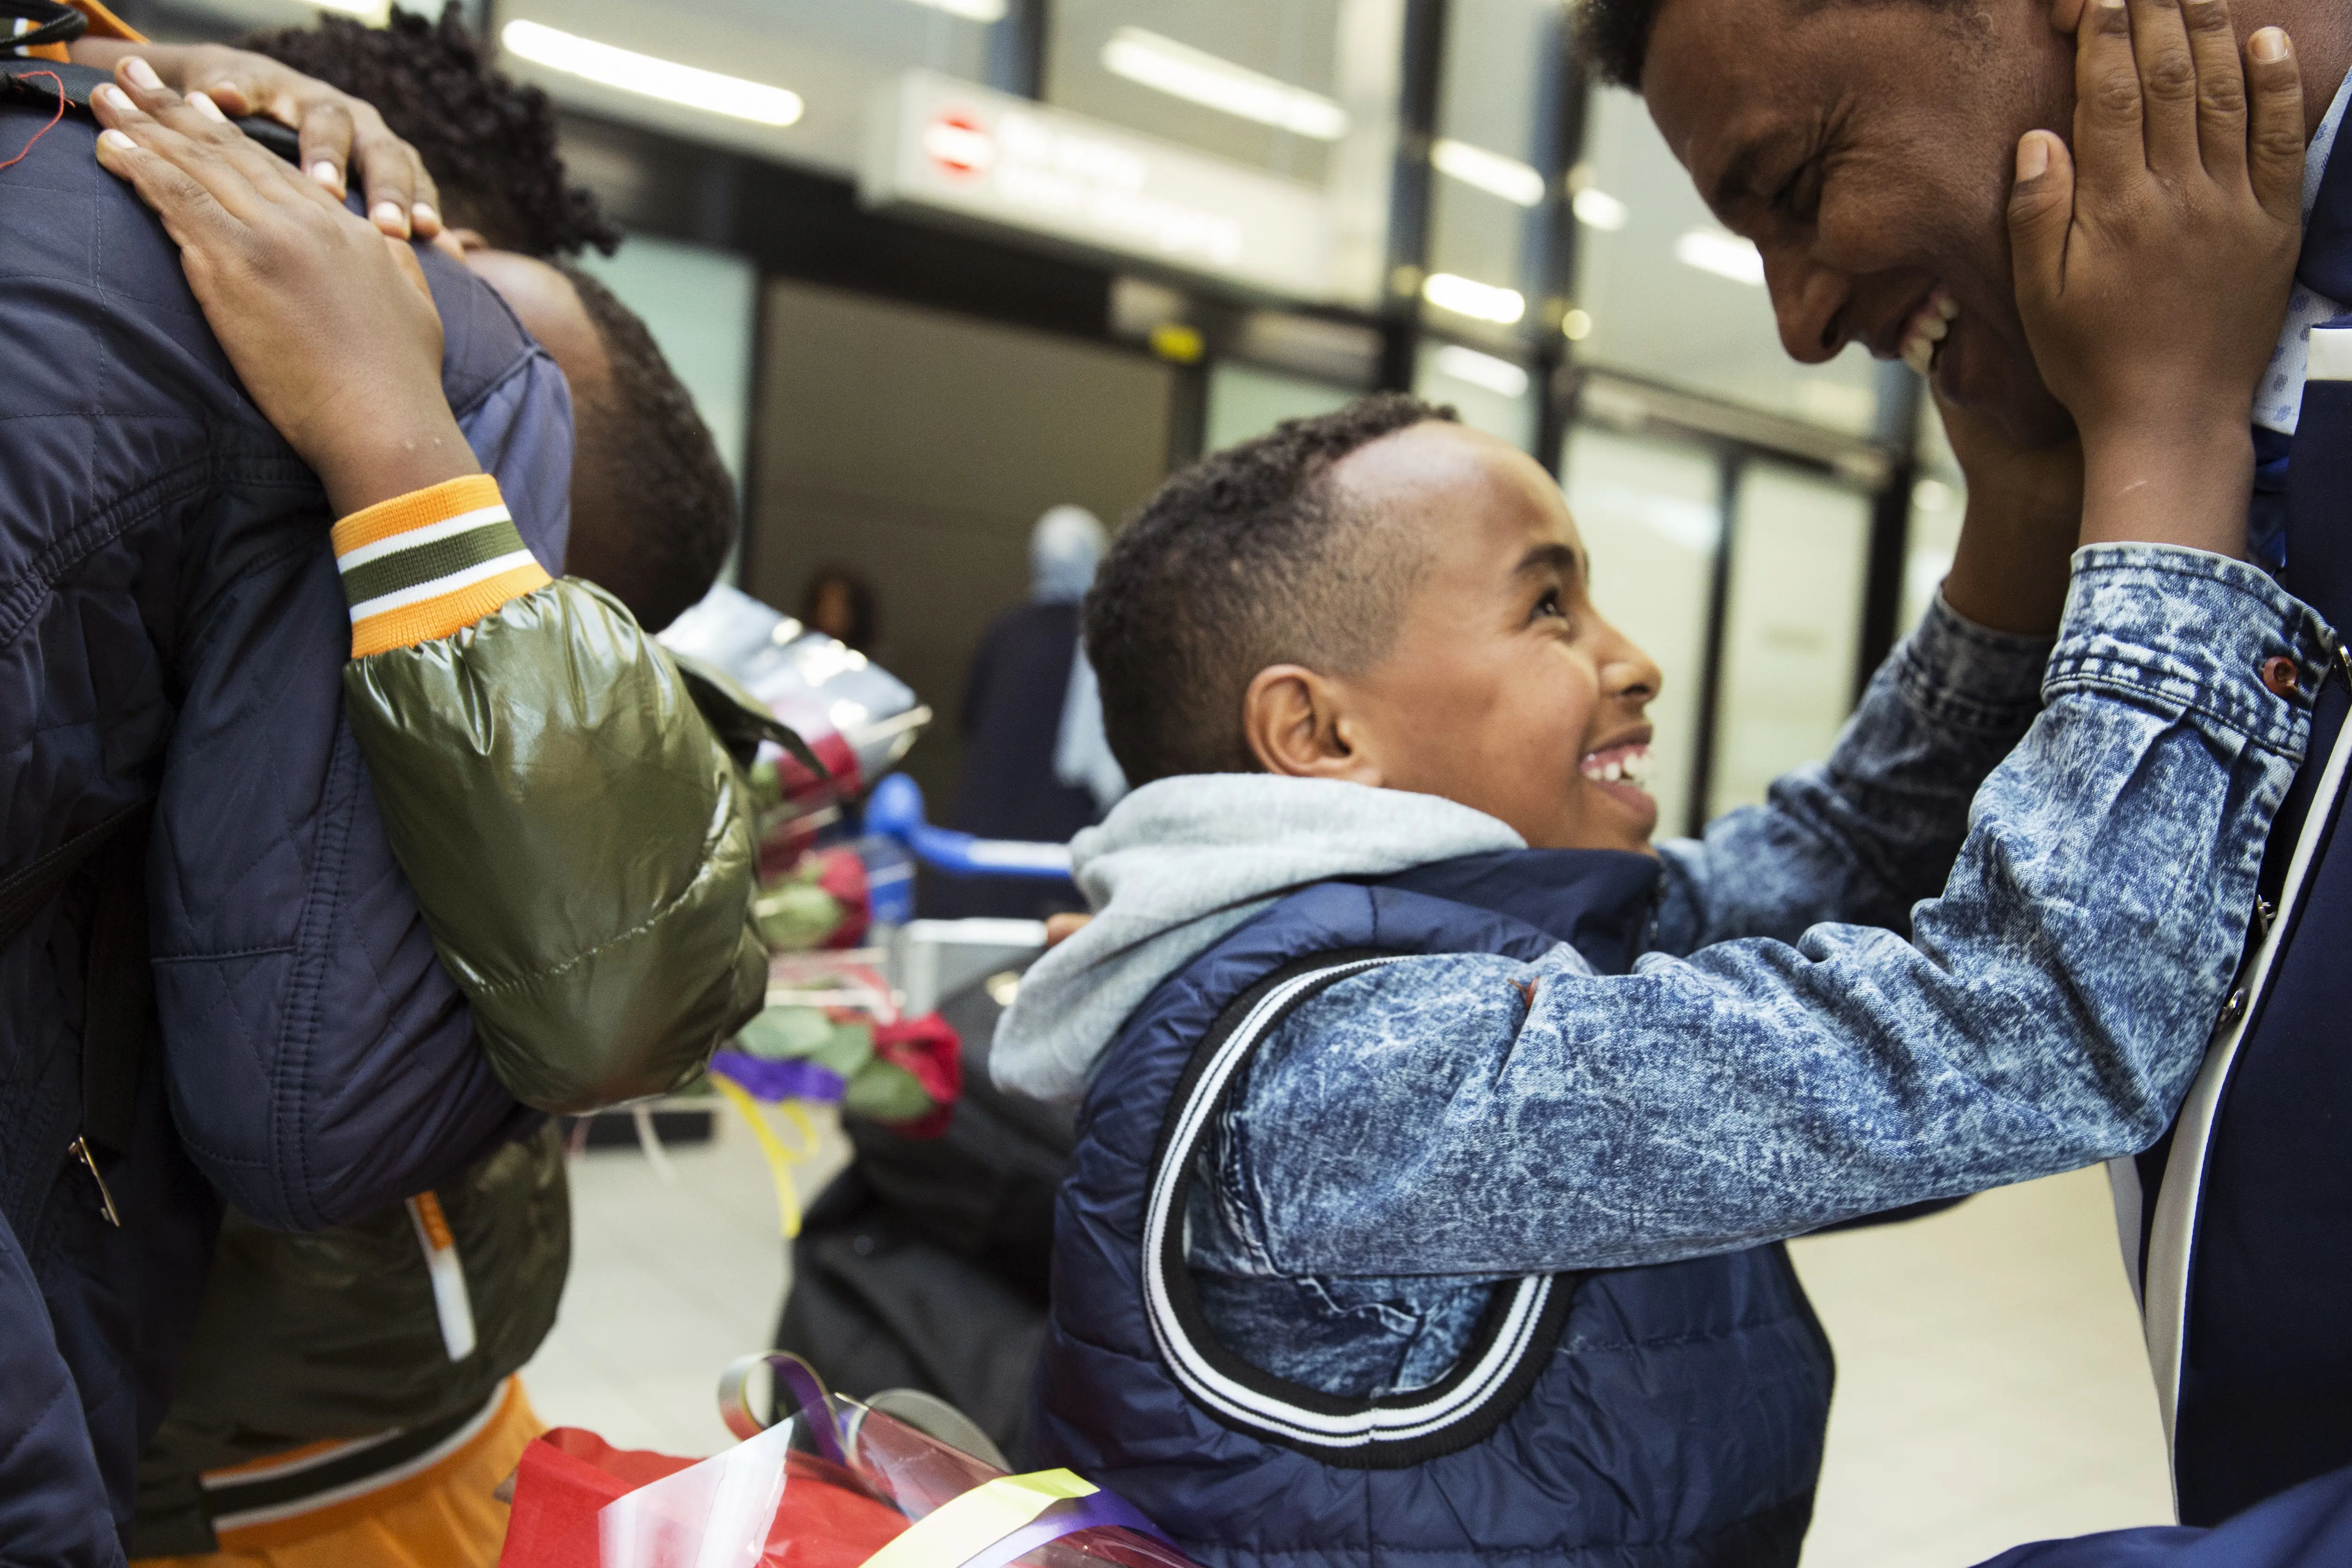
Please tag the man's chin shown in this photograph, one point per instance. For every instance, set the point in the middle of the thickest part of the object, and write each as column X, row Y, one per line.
column 2012, row 396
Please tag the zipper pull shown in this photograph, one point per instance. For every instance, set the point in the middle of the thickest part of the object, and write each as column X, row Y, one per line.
column 80, row 1151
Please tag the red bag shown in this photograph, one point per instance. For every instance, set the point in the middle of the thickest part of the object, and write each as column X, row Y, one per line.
column 569, row 1475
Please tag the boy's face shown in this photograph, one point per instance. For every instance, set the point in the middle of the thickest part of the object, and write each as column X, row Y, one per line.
column 1504, row 689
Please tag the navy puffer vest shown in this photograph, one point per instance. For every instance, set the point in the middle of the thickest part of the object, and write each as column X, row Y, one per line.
column 1670, row 1415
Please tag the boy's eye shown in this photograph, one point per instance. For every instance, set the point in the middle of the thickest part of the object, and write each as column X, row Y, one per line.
column 1551, row 605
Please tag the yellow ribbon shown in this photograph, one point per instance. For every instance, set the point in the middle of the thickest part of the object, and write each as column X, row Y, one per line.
column 781, row 1160
column 953, row 1534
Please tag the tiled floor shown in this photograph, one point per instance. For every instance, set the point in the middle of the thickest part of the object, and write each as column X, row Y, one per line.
column 1990, row 1383
column 1992, row 1387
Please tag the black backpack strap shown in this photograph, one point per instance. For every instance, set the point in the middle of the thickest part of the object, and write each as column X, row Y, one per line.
column 118, row 986
column 54, row 23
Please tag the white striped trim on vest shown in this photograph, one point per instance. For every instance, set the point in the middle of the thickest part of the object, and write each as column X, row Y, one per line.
column 1513, row 1332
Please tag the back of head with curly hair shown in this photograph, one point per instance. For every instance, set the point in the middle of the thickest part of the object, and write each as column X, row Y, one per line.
column 645, row 442
column 487, row 140
column 1246, row 558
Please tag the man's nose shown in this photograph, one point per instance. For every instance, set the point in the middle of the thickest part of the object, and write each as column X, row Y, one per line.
column 1809, row 301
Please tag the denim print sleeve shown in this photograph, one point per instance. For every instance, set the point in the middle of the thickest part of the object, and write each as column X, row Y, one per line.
column 1867, row 834
column 1431, row 1118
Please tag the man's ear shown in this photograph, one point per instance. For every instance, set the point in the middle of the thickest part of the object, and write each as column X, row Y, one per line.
column 1299, row 725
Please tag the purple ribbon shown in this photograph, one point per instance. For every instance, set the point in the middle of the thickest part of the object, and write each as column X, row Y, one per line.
column 1097, row 1510
column 792, row 1079
column 794, row 1376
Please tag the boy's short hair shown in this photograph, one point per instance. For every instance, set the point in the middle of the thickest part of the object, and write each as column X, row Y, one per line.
column 647, row 442
column 1241, row 561
column 488, row 141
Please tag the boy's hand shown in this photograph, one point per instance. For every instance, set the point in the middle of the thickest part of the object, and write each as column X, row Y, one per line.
column 2152, row 278
column 327, row 322
column 340, row 135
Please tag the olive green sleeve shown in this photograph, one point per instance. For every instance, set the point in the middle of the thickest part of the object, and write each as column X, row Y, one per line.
column 578, row 838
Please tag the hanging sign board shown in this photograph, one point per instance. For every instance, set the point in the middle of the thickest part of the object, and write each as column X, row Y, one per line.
column 950, row 146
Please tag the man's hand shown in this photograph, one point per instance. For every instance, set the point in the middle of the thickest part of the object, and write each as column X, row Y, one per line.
column 327, row 321
column 340, row 135
column 2025, row 509
column 2152, row 278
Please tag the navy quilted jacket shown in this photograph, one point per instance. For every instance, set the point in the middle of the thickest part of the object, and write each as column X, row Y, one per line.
column 172, row 626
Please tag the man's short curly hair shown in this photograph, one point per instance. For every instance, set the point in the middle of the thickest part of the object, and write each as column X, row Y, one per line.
column 1614, row 37
column 490, row 142
column 645, row 441
column 1244, row 559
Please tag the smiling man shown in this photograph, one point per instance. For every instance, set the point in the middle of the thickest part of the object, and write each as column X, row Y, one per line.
column 1868, row 150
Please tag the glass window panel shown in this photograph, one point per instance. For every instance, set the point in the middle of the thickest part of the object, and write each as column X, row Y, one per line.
column 1791, row 631
column 1645, row 255
column 1649, row 513
column 698, row 302
column 1244, row 401
column 1292, row 42
column 835, row 56
column 1939, row 501
column 1490, row 171
column 1491, row 393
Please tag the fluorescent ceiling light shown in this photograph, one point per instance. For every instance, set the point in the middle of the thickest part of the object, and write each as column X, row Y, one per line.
column 1479, row 301
column 1482, row 369
column 1489, row 172
column 1596, row 208
column 1182, row 71
column 1724, row 255
column 665, row 80
column 375, row 11
column 969, row 10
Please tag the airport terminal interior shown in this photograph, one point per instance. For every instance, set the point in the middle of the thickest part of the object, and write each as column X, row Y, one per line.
column 931, row 270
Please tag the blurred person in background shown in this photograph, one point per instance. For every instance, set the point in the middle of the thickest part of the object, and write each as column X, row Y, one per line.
column 325, row 1369
column 839, row 602
column 1036, row 764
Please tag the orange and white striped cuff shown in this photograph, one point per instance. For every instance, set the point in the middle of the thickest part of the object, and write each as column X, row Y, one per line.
column 431, row 563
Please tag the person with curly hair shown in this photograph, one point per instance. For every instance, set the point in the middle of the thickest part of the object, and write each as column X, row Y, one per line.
column 450, row 148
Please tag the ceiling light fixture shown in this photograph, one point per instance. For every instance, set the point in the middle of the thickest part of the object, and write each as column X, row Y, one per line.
column 1515, row 181
column 372, row 11
column 665, row 80
column 1724, row 255
column 969, row 10
column 1596, row 208
column 1197, row 77
column 1576, row 326
column 1482, row 369
column 1468, row 297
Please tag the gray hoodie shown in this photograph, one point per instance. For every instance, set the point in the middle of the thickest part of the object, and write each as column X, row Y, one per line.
column 1180, row 863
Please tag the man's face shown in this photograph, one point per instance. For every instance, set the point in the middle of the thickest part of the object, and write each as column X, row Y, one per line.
column 1868, row 150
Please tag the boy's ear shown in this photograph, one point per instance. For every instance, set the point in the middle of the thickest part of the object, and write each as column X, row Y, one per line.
column 1297, row 726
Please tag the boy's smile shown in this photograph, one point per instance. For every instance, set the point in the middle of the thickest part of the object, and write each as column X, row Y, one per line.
column 1503, row 689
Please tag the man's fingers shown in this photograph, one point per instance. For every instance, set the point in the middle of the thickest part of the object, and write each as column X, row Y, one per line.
column 2221, row 90
column 190, row 212
column 2066, row 16
column 326, row 133
column 389, row 171
column 404, row 256
column 2274, row 140
column 2107, row 135
column 167, row 128
column 2040, row 215
column 2168, row 87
